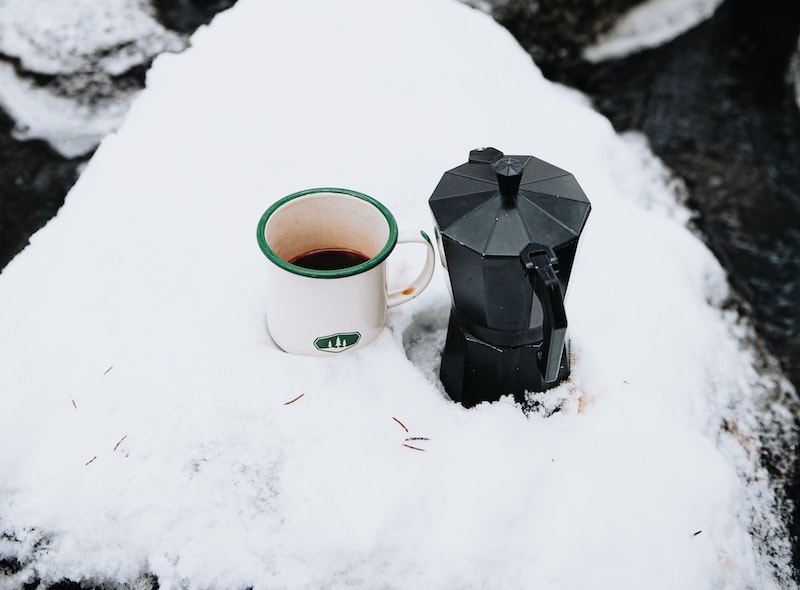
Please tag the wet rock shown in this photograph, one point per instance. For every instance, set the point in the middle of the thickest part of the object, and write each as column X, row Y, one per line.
column 187, row 15
column 34, row 180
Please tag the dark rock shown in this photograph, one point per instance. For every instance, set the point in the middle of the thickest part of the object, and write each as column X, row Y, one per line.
column 34, row 180
column 555, row 32
column 184, row 16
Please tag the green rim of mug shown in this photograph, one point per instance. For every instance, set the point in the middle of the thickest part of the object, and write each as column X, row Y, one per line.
column 327, row 274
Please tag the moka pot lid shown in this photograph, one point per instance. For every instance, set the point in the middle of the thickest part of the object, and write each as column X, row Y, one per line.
column 497, row 205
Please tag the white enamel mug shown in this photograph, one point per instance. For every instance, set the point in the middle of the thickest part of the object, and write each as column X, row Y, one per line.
column 324, row 312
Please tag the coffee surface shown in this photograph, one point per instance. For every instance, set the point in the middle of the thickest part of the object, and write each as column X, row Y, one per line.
column 330, row 259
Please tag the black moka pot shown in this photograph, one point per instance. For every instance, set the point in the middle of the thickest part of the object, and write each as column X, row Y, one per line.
column 508, row 229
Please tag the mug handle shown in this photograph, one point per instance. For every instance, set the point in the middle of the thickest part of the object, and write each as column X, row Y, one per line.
column 399, row 296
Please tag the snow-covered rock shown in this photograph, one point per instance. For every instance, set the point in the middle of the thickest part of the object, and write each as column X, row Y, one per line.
column 66, row 70
column 649, row 24
column 145, row 424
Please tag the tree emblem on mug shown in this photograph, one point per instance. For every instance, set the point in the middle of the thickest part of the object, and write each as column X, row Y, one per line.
column 337, row 342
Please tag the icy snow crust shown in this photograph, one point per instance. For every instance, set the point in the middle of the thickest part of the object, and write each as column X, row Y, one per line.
column 145, row 425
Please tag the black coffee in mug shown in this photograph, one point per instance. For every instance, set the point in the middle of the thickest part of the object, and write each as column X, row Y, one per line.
column 330, row 259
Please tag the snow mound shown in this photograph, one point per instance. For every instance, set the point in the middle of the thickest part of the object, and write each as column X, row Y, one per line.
column 147, row 427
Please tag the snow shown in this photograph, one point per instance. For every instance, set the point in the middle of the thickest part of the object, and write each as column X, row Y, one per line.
column 145, row 422
column 85, row 45
column 649, row 24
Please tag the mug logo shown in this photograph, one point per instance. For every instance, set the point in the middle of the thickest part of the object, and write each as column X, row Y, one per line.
column 337, row 342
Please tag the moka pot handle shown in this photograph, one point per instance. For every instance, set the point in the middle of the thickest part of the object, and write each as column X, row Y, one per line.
column 541, row 265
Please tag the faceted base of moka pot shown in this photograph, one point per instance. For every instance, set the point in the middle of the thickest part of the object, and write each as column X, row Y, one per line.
column 474, row 371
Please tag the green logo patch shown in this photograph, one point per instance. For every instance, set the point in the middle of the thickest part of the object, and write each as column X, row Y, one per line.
column 337, row 342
